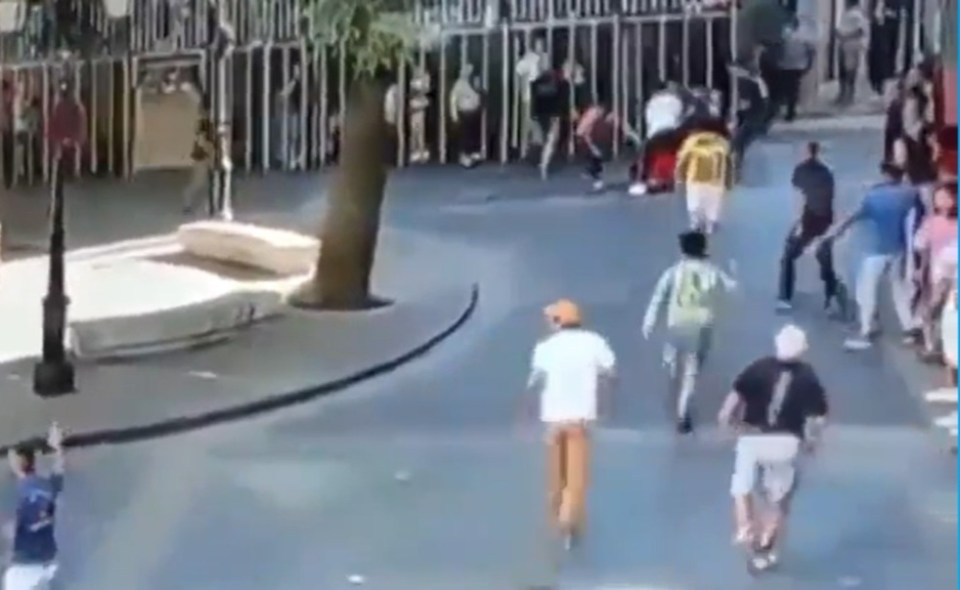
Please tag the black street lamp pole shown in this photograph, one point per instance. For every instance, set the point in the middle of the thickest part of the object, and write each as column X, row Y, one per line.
column 222, row 41
column 54, row 375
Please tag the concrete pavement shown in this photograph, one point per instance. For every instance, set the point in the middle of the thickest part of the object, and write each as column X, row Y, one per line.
column 270, row 364
column 427, row 480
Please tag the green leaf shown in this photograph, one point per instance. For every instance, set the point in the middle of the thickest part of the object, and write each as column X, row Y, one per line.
column 373, row 34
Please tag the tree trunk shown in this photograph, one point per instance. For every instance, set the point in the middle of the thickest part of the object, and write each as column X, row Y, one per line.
column 348, row 238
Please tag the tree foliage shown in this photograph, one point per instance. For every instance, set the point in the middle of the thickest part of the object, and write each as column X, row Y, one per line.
column 373, row 35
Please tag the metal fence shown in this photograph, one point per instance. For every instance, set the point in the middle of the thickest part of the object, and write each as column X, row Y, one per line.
column 285, row 94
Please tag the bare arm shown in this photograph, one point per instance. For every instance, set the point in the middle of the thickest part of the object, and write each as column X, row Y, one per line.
column 729, row 411
column 841, row 228
column 657, row 300
column 55, row 442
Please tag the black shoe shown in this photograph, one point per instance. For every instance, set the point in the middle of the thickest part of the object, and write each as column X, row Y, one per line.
column 685, row 425
column 839, row 305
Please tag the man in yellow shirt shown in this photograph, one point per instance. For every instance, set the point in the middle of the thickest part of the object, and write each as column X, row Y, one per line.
column 703, row 165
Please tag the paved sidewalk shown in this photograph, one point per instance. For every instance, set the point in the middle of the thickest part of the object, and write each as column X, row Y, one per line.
column 296, row 352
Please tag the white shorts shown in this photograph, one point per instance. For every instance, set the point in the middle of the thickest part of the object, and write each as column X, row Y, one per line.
column 705, row 201
column 29, row 577
column 766, row 463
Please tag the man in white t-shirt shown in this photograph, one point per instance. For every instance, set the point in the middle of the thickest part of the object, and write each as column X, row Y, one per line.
column 570, row 369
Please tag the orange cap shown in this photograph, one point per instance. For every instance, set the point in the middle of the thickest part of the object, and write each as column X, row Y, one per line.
column 563, row 312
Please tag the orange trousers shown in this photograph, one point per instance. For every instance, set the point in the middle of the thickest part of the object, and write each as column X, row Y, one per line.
column 568, row 468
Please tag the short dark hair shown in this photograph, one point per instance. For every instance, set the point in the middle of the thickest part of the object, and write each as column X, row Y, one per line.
column 813, row 149
column 693, row 244
column 892, row 170
column 27, row 454
column 948, row 185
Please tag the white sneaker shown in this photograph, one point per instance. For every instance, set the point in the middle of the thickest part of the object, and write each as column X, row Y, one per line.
column 598, row 185
column 857, row 344
column 944, row 395
column 948, row 421
column 637, row 190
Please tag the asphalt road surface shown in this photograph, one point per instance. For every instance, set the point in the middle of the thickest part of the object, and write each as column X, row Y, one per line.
column 429, row 480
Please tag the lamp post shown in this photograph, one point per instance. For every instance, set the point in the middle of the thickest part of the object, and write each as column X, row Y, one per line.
column 222, row 43
column 53, row 374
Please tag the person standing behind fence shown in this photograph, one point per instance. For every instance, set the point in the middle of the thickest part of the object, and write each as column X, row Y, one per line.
column 549, row 102
column 796, row 57
column 852, row 41
column 202, row 156
column 467, row 116
column 530, row 68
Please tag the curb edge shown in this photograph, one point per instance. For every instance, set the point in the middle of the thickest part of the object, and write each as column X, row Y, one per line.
column 262, row 405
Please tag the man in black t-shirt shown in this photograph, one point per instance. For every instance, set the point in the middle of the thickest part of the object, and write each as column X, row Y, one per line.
column 778, row 405
column 815, row 185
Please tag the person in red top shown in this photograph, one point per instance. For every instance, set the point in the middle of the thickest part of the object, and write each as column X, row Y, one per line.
column 597, row 126
column 67, row 129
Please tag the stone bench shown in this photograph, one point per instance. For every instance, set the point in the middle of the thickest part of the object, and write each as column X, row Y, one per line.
column 278, row 251
column 174, row 328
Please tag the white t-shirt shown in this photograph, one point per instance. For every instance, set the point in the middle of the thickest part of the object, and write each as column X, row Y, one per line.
column 663, row 112
column 570, row 363
column 530, row 67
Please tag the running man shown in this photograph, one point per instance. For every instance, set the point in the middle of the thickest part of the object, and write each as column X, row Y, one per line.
column 33, row 564
column 815, row 186
column 690, row 290
column 887, row 211
column 777, row 407
column 572, row 367
column 703, row 165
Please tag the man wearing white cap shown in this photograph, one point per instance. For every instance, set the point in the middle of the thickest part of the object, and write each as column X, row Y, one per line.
column 777, row 406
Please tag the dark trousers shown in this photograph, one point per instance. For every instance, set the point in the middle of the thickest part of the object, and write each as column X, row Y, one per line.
column 811, row 228
column 593, row 158
column 752, row 123
column 786, row 92
column 469, row 132
column 848, row 84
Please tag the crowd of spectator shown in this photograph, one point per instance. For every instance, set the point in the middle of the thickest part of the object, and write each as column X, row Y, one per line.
column 917, row 145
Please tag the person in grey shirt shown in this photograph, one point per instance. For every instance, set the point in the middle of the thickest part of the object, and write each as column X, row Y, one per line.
column 852, row 35
column 796, row 57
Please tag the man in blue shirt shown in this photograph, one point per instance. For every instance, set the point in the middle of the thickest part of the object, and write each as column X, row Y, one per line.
column 887, row 212
column 33, row 563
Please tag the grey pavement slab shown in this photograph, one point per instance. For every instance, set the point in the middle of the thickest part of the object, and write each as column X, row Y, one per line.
column 429, row 480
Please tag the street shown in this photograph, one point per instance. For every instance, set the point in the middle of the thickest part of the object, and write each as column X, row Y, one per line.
column 430, row 479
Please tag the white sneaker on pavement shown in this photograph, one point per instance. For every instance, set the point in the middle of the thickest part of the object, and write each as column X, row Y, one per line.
column 943, row 395
column 948, row 421
column 857, row 344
